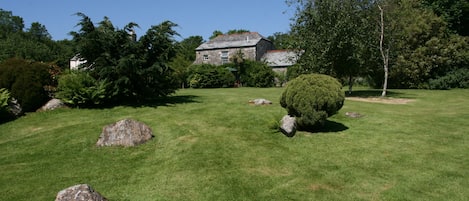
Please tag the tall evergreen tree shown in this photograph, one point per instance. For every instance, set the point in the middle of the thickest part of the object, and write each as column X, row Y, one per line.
column 135, row 70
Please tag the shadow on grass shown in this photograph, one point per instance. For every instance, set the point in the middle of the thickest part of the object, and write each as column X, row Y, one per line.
column 156, row 102
column 377, row 93
column 165, row 101
column 331, row 127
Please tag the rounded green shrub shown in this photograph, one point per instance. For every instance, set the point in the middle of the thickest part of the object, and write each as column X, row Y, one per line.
column 26, row 81
column 312, row 98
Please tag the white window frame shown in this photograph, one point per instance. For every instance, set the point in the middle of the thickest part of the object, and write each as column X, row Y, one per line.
column 224, row 56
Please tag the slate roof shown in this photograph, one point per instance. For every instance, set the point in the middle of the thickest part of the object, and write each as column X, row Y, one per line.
column 77, row 57
column 247, row 39
column 280, row 58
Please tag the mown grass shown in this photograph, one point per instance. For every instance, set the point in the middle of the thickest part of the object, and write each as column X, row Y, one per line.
column 211, row 145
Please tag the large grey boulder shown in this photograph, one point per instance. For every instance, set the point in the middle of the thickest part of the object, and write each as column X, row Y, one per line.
column 127, row 132
column 80, row 192
column 288, row 125
column 52, row 105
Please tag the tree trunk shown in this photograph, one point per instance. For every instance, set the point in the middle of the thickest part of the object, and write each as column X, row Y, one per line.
column 386, row 74
column 350, row 84
column 384, row 55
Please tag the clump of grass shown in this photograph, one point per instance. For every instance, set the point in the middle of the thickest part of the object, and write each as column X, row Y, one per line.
column 274, row 123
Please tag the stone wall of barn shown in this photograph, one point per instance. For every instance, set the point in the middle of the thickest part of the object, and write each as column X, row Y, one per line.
column 262, row 47
column 215, row 56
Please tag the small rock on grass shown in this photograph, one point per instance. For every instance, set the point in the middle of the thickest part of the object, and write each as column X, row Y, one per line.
column 288, row 125
column 353, row 114
column 260, row 101
column 80, row 192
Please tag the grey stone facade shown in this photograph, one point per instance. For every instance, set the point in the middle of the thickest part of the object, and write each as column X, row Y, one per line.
column 280, row 60
column 220, row 49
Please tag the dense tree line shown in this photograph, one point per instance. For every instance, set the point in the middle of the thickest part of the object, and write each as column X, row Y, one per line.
column 425, row 41
column 120, row 67
column 33, row 43
column 30, row 62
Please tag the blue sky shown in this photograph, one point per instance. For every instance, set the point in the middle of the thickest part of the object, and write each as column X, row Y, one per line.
column 194, row 17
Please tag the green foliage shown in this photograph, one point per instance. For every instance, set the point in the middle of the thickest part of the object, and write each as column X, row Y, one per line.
column 20, row 46
column 10, row 23
column 215, row 34
column 336, row 37
column 341, row 39
column 256, row 74
column 32, row 44
column 210, row 76
column 78, row 88
column 312, row 99
column 38, row 32
column 232, row 31
column 237, row 31
column 4, row 100
column 418, row 34
column 454, row 79
column 26, row 82
column 251, row 73
column 421, row 48
column 454, row 12
column 185, row 56
column 434, row 58
column 135, row 70
column 281, row 40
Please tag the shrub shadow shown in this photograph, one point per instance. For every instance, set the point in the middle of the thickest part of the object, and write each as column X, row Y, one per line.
column 377, row 93
column 166, row 101
column 332, row 127
column 329, row 127
column 371, row 93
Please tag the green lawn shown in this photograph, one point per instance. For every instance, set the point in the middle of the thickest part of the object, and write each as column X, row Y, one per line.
column 211, row 145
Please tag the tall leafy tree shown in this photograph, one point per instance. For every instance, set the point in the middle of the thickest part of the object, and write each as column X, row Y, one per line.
column 454, row 12
column 185, row 56
column 420, row 45
column 38, row 32
column 10, row 23
column 415, row 32
column 34, row 43
column 159, row 49
column 281, row 40
column 384, row 53
column 135, row 70
column 333, row 36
